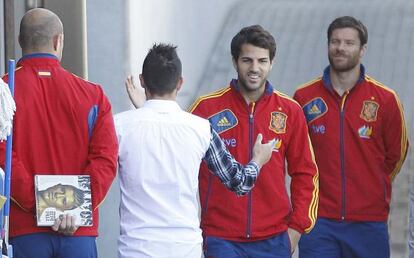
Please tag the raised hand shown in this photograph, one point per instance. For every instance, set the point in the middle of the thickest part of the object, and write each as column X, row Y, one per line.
column 135, row 94
column 262, row 152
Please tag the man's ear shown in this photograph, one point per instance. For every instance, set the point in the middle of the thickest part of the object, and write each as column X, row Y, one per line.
column 57, row 42
column 20, row 40
column 180, row 83
column 363, row 50
column 234, row 63
column 142, row 81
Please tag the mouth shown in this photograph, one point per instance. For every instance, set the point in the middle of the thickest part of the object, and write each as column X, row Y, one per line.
column 339, row 55
column 340, row 58
column 253, row 77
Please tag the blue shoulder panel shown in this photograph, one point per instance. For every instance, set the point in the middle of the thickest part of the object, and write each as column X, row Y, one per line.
column 92, row 117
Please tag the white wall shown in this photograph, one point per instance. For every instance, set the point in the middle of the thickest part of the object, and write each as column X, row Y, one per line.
column 192, row 25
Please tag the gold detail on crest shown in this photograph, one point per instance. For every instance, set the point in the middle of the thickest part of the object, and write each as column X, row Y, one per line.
column 278, row 122
column 369, row 111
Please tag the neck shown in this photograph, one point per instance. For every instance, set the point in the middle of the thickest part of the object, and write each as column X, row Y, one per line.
column 343, row 81
column 170, row 96
column 253, row 95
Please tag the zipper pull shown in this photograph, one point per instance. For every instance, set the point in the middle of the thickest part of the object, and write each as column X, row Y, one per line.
column 253, row 104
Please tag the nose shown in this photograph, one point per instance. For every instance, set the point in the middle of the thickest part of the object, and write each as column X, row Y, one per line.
column 255, row 66
column 341, row 46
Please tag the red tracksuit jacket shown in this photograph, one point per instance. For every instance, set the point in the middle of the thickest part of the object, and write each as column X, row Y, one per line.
column 63, row 125
column 266, row 211
column 360, row 143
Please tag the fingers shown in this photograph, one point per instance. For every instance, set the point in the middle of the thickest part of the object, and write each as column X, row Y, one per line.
column 71, row 226
column 271, row 142
column 56, row 225
column 259, row 138
column 129, row 83
column 262, row 152
column 65, row 224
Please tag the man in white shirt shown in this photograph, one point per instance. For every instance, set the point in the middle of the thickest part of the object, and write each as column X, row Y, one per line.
column 160, row 151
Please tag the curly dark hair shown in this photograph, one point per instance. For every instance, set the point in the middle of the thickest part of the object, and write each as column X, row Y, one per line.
column 255, row 35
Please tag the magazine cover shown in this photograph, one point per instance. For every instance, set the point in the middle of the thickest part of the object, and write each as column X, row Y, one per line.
column 61, row 194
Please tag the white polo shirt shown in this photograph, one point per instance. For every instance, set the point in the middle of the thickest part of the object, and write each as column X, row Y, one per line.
column 160, row 149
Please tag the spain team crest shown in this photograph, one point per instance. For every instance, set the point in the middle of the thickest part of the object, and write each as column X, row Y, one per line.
column 369, row 111
column 278, row 122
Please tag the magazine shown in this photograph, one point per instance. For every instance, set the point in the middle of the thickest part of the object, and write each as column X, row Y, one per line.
column 63, row 194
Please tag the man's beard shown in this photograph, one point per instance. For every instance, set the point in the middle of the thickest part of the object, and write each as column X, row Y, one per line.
column 351, row 63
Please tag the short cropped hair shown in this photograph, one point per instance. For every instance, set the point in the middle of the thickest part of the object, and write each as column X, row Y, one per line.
column 37, row 29
column 256, row 36
column 161, row 69
column 349, row 22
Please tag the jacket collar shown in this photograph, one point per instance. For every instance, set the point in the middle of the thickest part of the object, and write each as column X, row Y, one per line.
column 327, row 79
column 39, row 59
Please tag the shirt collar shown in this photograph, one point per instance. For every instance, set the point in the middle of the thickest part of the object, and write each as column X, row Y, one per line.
column 327, row 79
column 160, row 105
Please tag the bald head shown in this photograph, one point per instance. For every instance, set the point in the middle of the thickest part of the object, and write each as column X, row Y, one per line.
column 40, row 31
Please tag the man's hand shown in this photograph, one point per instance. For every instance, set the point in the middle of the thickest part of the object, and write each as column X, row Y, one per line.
column 294, row 237
column 136, row 95
column 262, row 152
column 65, row 225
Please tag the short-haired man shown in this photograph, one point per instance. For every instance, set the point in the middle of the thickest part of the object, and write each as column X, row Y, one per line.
column 266, row 222
column 358, row 132
column 160, row 151
column 63, row 125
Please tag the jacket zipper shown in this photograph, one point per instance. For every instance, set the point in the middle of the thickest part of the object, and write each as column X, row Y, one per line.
column 342, row 152
column 251, row 143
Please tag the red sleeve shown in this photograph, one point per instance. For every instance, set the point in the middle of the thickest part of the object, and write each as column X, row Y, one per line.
column 19, row 176
column 304, row 175
column 103, row 153
column 395, row 141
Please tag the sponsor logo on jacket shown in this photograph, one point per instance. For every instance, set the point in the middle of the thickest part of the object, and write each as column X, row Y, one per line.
column 318, row 129
column 229, row 142
column 365, row 132
column 315, row 109
column 223, row 120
